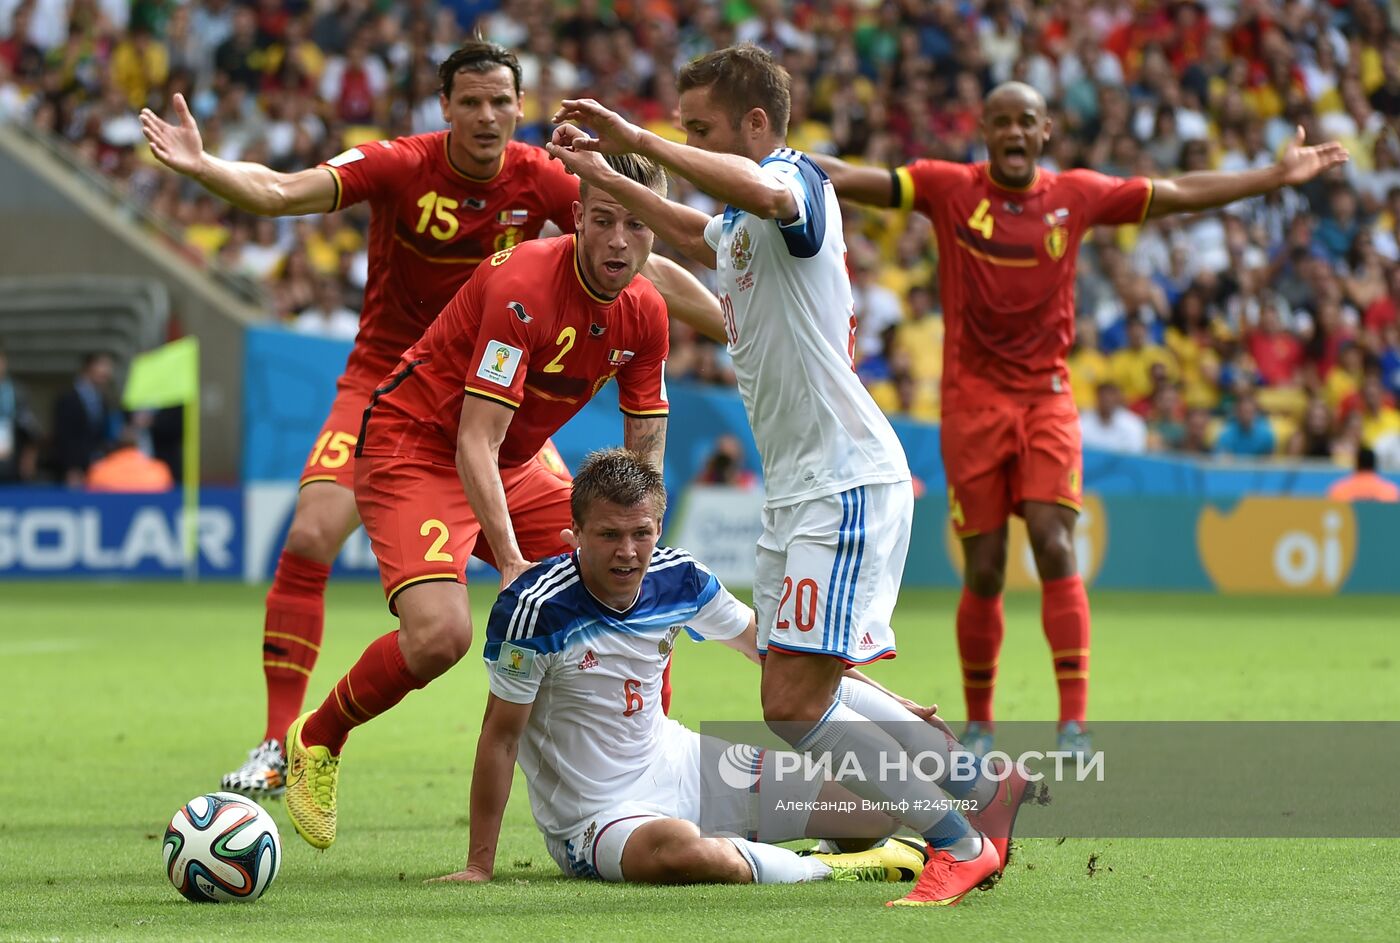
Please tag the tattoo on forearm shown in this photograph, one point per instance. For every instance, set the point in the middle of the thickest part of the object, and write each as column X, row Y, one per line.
column 646, row 436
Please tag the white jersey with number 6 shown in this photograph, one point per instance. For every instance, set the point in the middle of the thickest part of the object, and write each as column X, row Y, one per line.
column 788, row 312
column 596, row 737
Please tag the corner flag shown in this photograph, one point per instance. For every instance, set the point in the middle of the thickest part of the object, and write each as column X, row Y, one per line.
column 169, row 376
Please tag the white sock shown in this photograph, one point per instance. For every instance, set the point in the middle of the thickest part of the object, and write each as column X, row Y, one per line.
column 914, row 735
column 774, row 865
column 842, row 732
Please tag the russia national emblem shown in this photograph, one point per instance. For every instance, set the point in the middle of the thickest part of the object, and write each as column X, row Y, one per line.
column 741, row 249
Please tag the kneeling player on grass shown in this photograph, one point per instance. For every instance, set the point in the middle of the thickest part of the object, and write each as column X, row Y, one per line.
column 575, row 651
column 530, row 338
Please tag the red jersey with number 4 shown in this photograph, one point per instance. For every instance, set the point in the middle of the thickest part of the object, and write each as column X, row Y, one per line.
column 529, row 333
column 1006, row 264
column 430, row 226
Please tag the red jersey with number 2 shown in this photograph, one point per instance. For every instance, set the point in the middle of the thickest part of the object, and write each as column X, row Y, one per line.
column 1006, row 266
column 430, row 227
column 529, row 333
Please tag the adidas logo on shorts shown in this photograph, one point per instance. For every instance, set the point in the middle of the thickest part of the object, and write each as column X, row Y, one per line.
column 590, row 660
column 866, row 642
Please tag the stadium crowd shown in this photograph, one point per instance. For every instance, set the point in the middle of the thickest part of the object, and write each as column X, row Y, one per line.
column 1270, row 328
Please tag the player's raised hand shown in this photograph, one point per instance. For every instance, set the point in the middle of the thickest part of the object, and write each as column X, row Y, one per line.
column 178, row 147
column 615, row 134
column 1300, row 164
column 585, row 164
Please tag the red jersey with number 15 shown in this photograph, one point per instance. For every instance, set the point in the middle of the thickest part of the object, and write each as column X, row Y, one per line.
column 430, row 226
column 1006, row 265
column 529, row 333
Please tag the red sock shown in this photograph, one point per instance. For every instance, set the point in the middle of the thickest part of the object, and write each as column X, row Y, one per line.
column 292, row 628
column 378, row 681
column 980, row 629
column 1064, row 611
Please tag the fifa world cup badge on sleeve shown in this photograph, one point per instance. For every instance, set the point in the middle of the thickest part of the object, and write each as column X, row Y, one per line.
column 515, row 662
column 499, row 363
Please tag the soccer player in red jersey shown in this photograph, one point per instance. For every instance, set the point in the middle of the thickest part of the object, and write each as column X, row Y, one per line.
column 440, row 204
column 1008, row 234
column 530, row 338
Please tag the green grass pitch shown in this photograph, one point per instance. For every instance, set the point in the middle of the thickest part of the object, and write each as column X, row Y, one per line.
column 120, row 702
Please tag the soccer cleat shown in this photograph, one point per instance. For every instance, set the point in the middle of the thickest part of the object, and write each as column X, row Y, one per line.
column 1074, row 740
column 977, row 738
column 999, row 817
column 946, row 880
column 311, row 779
column 264, row 776
column 892, row 861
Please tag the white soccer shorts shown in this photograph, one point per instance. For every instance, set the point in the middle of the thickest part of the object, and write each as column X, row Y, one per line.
column 723, row 788
column 828, row 572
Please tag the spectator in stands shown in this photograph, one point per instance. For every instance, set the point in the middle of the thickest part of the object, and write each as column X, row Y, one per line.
column 1277, row 353
column 1131, row 367
column 1313, row 438
column 1364, row 484
column 1379, row 417
column 725, row 466
column 85, row 423
column 19, row 429
column 1088, row 367
column 1196, row 439
column 1109, row 426
column 127, row 468
column 328, row 316
column 1248, row 433
column 1166, row 421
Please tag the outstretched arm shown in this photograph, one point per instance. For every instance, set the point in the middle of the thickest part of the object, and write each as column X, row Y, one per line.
column 687, row 299
column 491, row 780
column 480, row 432
column 873, row 186
column 726, row 177
column 1207, row 190
column 674, row 223
column 248, row 186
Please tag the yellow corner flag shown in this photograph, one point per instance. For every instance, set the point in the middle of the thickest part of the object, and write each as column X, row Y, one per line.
column 169, row 376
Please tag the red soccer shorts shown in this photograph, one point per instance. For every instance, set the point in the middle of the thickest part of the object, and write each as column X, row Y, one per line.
column 421, row 527
column 1003, row 453
column 332, row 458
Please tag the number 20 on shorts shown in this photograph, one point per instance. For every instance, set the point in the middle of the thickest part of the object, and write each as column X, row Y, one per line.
column 804, row 604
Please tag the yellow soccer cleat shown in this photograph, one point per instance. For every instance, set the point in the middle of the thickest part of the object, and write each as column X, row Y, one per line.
column 890, row 862
column 312, row 774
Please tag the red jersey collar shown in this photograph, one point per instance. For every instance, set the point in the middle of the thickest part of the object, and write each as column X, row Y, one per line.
column 447, row 153
column 588, row 289
column 1035, row 180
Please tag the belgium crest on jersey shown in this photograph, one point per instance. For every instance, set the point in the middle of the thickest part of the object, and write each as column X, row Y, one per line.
column 1056, row 242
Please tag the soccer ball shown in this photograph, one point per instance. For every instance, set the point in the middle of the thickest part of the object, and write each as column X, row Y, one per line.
column 221, row 847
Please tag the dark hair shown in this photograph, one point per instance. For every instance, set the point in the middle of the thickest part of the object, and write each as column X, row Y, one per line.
column 478, row 56
column 618, row 475
column 643, row 170
column 741, row 78
column 1365, row 459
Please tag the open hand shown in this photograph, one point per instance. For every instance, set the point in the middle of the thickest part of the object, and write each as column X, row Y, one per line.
column 178, row 147
column 1300, row 164
column 616, row 135
column 472, row 874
